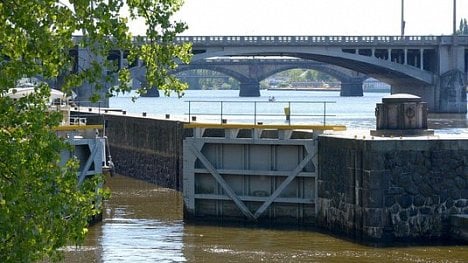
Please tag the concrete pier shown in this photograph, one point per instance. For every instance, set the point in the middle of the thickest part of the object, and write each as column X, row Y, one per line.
column 459, row 227
column 392, row 189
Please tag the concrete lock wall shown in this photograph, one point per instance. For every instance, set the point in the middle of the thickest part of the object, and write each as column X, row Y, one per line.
column 393, row 189
column 382, row 189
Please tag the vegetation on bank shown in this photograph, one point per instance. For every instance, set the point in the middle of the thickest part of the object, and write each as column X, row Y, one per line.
column 42, row 208
column 463, row 27
column 211, row 80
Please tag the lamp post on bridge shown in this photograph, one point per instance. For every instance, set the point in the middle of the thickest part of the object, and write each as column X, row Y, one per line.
column 402, row 17
column 454, row 17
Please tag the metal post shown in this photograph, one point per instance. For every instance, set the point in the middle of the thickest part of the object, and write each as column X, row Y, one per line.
column 189, row 118
column 402, row 17
column 421, row 58
column 324, row 112
column 255, row 112
column 221, row 111
column 454, row 17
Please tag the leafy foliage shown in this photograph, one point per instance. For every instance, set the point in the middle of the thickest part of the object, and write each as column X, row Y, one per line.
column 463, row 27
column 41, row 206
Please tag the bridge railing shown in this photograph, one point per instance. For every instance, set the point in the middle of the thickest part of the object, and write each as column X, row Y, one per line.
column 310, row 40
column 259, row 112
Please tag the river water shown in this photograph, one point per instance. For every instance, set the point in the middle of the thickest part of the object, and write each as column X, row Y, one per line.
column 354, row 112
column 144, row 223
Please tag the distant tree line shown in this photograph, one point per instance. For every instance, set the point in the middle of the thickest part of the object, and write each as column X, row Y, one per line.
column 463, row 28
column 288, row 77
column 202, row 79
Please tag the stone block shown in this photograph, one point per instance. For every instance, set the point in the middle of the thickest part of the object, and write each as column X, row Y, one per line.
column 404, row 215
column 373, row 217
column 405, row 201
column 372, row 198
column 461, row 203
column 373, row 232
column 425, row 189
column 426, row 210
column 350, row 175
column 412, row 211
column 375, row 179
column 389, row 200
column 373, row 160
column 350, row 195
column 419, row 200
column 395, row 190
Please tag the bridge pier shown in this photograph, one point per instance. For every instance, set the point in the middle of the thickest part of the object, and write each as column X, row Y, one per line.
column 152, row 93
column 84, row 93
column 452, row 92
column 250, row 89
column 448, row 95
column 352, row 88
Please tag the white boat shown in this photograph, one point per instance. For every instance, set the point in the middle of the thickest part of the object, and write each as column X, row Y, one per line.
column 88, row 140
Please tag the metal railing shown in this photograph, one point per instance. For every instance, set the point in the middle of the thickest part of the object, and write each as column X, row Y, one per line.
column 259, row 112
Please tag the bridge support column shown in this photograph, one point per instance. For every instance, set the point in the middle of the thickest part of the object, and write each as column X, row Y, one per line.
column 450, row 86
column 249, row 89
column 452, row 92
column 84, row 93
column 351, row 88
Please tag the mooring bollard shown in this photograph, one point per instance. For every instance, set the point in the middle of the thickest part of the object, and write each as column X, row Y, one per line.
column 168, row 116
column 124, row 112
column 144, row 114
column 89, row 109
column 223, row 121
column 194, row 118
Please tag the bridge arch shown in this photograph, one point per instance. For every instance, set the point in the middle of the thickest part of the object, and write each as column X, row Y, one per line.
column 389, row 72
column 250, row 71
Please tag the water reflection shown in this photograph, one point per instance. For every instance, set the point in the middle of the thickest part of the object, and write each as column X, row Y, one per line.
column 143, row 223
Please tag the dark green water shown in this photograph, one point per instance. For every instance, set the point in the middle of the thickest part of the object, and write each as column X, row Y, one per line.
column 144, row 223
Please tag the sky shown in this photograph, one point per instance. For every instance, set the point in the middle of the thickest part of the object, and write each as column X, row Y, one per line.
column 317, row 17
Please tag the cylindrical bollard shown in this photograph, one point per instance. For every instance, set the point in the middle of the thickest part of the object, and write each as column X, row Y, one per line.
column 168, row 116
column 89, row 109
column 223, row 121
column 144, row 114
column 124, row 112
column 194, row 118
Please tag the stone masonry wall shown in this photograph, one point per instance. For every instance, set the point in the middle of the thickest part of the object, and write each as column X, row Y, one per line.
column 145, row 148
column 391, row 189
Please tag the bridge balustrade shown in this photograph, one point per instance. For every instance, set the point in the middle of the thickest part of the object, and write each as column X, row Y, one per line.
column 320, row 40
column 311, row 40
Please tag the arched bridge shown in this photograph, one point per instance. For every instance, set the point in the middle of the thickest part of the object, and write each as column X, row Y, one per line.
column 433, row 67
column 249, row 71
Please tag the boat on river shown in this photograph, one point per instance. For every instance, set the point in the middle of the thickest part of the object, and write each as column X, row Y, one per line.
column 89, row 142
